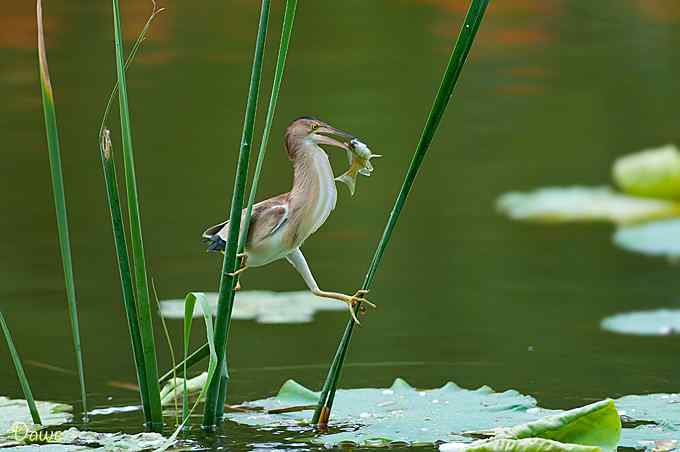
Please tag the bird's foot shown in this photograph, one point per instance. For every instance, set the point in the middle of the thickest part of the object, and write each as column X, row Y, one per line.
column 238, row 286
column 351, row 300
column 238, row 272
column 244, row 266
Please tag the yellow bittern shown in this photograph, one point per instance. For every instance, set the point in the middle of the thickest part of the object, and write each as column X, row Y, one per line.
column 280, row 225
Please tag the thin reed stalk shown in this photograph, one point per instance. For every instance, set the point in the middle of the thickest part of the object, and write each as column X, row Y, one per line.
column 60, row 199
column 288, row 18
column 23, row 381
column 168, row 340
column 218, row 384
column 139, row 261
column 455, row 65
column 120, row 242
column 109, row 167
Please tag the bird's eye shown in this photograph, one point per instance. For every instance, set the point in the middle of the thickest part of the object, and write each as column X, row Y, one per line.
column 315, row 126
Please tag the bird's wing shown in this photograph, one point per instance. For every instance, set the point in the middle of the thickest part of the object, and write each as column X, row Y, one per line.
column 267, row 218
column 267, row 221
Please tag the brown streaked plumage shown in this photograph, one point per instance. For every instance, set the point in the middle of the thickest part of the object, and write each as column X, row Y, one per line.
column 280, row 225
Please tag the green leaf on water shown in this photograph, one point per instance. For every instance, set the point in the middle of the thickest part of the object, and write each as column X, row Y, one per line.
column 658, row 238
column 597, row 424
column 402, row 414
column 661, row 412
column 263, row 306
column 574, row 204
column 652, row 172
column 399, row 413
column 517, row 445
column 659, row 322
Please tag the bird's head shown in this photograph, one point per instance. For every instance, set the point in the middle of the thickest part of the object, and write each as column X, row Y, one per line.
column 308, row 130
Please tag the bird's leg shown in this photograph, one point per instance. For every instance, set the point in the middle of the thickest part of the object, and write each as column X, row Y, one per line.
column 297, row 260
column 243, row 264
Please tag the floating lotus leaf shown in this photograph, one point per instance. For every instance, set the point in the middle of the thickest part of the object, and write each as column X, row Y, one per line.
column 263, row 306
column 658, row 238
column 565, row 204
column 73, row 440
column 597, row 424
column 653, row 172
column 400, row 413
column 661, row 409
column 660, row 322
column 517, row 445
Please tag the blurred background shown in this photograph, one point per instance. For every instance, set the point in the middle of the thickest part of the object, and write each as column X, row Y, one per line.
column 552, row 93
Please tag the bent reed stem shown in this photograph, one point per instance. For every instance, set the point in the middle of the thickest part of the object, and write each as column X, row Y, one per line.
column 457, row 60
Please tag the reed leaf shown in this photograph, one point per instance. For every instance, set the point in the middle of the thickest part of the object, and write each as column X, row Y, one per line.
column 141, row 281
column 109, row 167
column 59, row 199
column 455, row 65
column 23, row 381
column 217, row 387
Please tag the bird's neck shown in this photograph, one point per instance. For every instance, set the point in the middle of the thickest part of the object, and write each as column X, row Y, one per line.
column 313, row 194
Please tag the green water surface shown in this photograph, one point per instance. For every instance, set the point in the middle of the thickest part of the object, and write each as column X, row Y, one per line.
column 553, row 92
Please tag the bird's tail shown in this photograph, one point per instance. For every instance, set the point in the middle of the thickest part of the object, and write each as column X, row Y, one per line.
column 215, row 242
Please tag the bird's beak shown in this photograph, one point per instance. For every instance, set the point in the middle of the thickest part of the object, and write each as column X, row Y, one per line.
column 325, row 135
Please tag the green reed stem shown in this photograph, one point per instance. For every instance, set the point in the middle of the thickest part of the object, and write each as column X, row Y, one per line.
column 288, row 18
column 120, row 242
column 109, row 166
column 23, row 381
column 59, row 199
column 455, row 65
column 227, row 282
column 131, row 56
column 141, row 282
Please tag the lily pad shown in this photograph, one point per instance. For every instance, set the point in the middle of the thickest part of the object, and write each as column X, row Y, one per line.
column 262, row 306
column 657, row 238
column 14, row 413
column 399, row 413
column 78, row 440
column 568, row 204
column 653, row 172
column 660, row 322
column 661, row 409
column 597, row 424
column 517, row 445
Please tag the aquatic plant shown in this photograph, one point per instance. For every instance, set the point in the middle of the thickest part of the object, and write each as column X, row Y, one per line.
column 23, row 380
column 123, row 260
column 217, row 392
column 451, row 74
column 57, row 176
column 120, row 242
column 138, row 258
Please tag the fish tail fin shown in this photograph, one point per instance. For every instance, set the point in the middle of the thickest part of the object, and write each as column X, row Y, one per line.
column 348, row 180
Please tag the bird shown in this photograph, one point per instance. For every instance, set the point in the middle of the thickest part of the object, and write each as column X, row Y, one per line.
column 281, row 224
